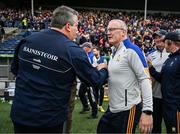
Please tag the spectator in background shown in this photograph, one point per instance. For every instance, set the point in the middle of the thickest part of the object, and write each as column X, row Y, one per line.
column 46, row 65
column 169, row 77
column 2, row 34
column 130, row 92
column 100, row 91
column 82, row 39
column 84, row 88
column 24, row 23
column 158, row 57
column 1, row 23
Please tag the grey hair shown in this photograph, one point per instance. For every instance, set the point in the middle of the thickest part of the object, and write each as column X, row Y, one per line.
column 122, row 24
column 62, row 15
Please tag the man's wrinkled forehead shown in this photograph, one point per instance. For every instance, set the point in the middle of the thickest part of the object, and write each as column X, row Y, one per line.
column 114, row 24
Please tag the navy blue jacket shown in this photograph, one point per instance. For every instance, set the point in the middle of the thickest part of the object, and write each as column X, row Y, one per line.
column 169, row 77
column 100, row 60
column 46, row 65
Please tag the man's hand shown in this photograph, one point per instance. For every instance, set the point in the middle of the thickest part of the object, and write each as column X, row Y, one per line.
column 149, row 63
column 145, row 123
column 102, row 65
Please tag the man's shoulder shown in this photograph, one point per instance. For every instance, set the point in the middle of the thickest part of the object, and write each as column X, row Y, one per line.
column 75, row 50
column 134, row 51
column 152, row 52
column 130, row 46
column 72, row 44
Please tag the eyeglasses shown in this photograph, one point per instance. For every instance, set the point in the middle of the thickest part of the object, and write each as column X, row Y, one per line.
column 113, row 29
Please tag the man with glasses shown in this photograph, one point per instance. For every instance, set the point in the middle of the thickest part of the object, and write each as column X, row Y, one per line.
column 130, row 91
column 169, row 77
column 157, row 57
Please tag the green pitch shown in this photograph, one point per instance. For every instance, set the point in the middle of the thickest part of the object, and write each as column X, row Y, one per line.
column 80, row 122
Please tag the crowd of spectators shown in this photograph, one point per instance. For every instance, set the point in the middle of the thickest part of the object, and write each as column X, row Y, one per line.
column 92, row 25
column 24, row 20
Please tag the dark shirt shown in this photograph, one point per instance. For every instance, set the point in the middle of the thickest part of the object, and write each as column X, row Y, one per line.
column 2, row 31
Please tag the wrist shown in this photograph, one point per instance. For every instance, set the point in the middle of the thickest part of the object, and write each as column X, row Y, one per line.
column 148, row 112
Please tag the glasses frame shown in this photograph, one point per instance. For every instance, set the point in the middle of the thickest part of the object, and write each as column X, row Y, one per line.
column 113, row 29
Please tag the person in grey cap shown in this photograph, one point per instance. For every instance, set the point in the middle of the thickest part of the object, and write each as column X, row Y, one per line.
column 160, row 33
column 169, row 77
column 157, row 57
column 84, row 88
column 86, row 44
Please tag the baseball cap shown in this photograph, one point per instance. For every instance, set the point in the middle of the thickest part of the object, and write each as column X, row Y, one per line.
column 160, row 33
column 173, row 36
column 177, row 30
column 86, row 44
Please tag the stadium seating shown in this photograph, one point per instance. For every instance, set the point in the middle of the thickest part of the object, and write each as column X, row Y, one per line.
column 8, row 46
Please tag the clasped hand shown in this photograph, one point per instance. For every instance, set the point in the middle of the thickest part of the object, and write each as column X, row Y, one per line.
column 102, row 65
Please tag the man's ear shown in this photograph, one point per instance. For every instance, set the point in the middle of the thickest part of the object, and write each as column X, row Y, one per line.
column 124, row 33
column 67, row 26
column 169, row 42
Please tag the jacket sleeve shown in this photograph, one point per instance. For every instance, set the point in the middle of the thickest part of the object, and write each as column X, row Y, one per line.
column 156, row 75
column 86, row 72
column 139, row 66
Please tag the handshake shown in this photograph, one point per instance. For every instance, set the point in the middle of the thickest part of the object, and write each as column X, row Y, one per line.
column 150, row 64
column 101, row 66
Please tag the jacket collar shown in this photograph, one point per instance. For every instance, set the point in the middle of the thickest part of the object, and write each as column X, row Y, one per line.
column 175, row 53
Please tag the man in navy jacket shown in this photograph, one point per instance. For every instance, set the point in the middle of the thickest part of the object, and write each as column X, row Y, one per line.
column 46, row 65
column 169, row 77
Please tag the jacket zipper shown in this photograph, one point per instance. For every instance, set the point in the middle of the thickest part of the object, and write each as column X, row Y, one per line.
column 125, row 97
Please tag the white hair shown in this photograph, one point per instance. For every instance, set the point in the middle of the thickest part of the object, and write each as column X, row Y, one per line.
column 122, row 24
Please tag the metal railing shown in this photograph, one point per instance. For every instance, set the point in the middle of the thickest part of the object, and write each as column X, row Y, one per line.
column 5, row 72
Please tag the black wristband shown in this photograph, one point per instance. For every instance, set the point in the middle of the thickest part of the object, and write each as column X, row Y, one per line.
column 148, row 112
